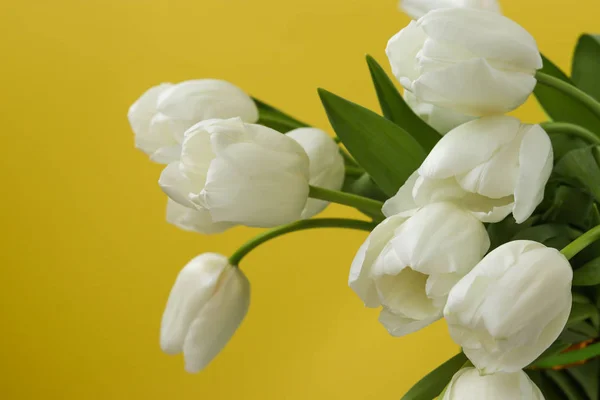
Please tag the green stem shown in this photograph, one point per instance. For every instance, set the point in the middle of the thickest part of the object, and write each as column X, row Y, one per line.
column 571, row 129
column 295, row 227
column 581, row 242
column 585, row 99
column 373, row 207
column 354, row 171
column 570, row 357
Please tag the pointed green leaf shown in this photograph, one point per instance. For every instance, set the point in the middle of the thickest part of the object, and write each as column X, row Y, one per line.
column 559, row 106
column 581, row 312
column 385, row 150
column 433, row 383
column 586, row 64
column 562, row 144
column 588, row 275
column 271, row 117
column 552, row 235
column 582, row 168
column 396, row 110
column 587, row 375
column 567, row 385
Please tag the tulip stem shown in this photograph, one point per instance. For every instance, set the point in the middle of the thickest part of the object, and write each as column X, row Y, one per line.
column 372, row 207
column 585, row 99
column 571, row 129
column 354, row 171
column 581, row 242
column 295, row 227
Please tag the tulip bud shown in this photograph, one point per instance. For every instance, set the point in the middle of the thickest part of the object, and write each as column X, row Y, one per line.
column 327, row 168
column 471, row 61
column 409, row 264
column 442, row 120
column 468, row 384
column 511, row 307
column 162, row 114
column 417, row 8
column 491, row 166
column 193, row 220
column 208, row 302
column 240, row 174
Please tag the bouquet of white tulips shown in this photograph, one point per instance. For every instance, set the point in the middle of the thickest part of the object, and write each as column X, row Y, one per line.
column 474, row 216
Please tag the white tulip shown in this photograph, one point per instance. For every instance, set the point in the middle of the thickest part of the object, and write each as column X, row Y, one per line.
column 327, row 169
column 408, row 264
column 240, row 174
column 194, row 220
column 511, row 307
column 468, row 384
column 442, row 120
column 491, row 166
column 162, row 114
column 417, row 8
column 208, row 302
column 471, row 61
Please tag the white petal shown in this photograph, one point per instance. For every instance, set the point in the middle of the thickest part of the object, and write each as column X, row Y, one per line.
column 418, row 8
column 402, row 50
column 469, row 384
column 176, row 185
column 442, row 120
column 327, row 168
column 217, row 321
column 474, row 88
column 485, row 34
column 398, row 325
column 468, row 146
column 403, row 200
column 536, row 160
column 141, row 112
column 194, row 220
column 195, row 285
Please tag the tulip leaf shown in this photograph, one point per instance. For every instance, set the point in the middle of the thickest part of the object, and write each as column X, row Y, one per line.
column 396, row 110
column 503, row 231
column 561, row 107
column 588, row 275
column 545, row 384
column 566, row 384
column 552, row 235
column 581, row 167
column 581, row 312
column 385, row 150
column 587, row 376
column 586, row 64
column 271, row 117
column 568, row 205
column 562, row 144
column 434, row 383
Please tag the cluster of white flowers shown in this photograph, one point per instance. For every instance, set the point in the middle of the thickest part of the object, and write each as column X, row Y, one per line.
column 463, row 66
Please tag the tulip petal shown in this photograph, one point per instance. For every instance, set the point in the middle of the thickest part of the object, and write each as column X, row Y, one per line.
column 141, row 112
column 217, row 321
column 469, row 145
column 195, row 285
column 194, row 220
column 403, row 200
column 536, row 160
column 176, row 185
column 398, row 325
column 402, row 50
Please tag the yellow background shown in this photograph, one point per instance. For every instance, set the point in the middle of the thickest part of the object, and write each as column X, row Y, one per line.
column 87, row 259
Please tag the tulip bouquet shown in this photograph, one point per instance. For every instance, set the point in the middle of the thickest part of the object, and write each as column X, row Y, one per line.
column 474, row 217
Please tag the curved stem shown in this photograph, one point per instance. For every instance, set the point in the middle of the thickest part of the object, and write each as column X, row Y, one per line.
column 585, row 99
column 373, row 207
column 571, row 129
column 295, row 227
column 581, row 242
column 354, row 171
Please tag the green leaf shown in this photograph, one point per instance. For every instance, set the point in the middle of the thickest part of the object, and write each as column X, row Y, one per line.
column 588, row 275
column 433, row 383
column 559, row 106
column 569, row 205
column 385, row 150
column 505, row 230
column 581, row 312
column 581, row 168
column 548, row 388
column 586, row 64
column 562, row 144
column 566, row 384
column 271, row 117
column 587, row 375
column 396, row 110
column 552, row 235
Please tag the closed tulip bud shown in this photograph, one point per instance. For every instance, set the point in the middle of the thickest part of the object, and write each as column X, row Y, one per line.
column 193, row 220
column 162, row 114
column 468, row 384
column 239, row 174
column 409, row 264
column 327, row 168
column 417, row 8
column 208, row 302
column 511, row 307
column 471, row 61
column 442, row 120
column 491, row 166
